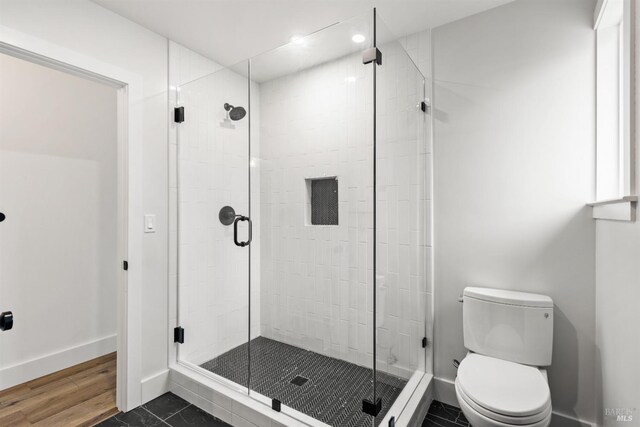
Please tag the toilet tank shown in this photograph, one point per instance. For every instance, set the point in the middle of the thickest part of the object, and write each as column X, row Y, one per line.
column 515, row 326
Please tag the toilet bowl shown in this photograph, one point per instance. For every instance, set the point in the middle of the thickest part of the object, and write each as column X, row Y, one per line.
column 499, row 393
column 509, row 336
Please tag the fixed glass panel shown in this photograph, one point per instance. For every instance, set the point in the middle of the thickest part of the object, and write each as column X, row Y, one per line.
column 214, row 223
column 313, row 106
column 401, row 219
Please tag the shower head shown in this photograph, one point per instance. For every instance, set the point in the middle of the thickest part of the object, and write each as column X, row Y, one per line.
column 235, row 113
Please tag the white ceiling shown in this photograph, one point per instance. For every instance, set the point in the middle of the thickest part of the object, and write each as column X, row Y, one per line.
column 229, row 31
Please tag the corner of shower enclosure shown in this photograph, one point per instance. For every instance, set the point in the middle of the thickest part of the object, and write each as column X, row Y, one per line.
column 301, row 212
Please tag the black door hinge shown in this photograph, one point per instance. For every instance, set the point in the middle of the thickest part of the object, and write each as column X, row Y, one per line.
column 178, row 114
column 423, row 106
column 6, row 321
column 276, row 405
column 125, row 265
column 178, row 334
column 424, row 342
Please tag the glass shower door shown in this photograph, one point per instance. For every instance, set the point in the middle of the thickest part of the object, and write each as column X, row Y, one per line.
column 214, row 224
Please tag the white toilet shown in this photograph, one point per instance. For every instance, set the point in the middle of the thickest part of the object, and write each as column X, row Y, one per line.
column 509, row 336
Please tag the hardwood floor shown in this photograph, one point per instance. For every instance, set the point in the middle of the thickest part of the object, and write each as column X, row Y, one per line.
column 82, row 395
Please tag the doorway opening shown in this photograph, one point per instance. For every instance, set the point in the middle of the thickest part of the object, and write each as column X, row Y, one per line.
column 59, row 244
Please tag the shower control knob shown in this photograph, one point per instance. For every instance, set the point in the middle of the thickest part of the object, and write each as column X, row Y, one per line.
column 227, row 215
column 6, row 321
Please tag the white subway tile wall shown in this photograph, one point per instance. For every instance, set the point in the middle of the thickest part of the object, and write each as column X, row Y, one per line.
column 317, row 281
column 318, row 123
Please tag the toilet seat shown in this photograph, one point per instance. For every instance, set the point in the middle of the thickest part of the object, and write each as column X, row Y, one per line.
column 506, row 392
column 496, row 419
column 476, row 419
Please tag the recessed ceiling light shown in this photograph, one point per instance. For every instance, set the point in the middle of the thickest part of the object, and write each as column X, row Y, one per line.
column 358, row 38
column 297, row 40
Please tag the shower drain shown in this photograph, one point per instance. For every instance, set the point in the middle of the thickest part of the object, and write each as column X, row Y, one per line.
column 299, row 380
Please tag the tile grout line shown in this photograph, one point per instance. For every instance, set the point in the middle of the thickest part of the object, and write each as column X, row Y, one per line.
column 443, row 418
column 188, row 404
column 161, row 420
column 438, row 417
column 438, row 423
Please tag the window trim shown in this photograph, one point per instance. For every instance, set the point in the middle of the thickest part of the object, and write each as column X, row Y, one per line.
column 621, row 13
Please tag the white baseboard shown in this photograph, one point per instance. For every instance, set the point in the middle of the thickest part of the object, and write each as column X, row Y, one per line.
column 445, row 391
column 154, row 386
column 563, row 420
column 38, row 367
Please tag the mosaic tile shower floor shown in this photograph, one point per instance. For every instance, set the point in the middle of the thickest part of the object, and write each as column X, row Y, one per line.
column 333, row 390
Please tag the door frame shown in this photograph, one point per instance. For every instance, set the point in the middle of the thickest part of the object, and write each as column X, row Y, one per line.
column 129, row 192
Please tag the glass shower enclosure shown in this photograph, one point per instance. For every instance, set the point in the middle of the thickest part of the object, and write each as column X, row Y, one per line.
column 302, row 225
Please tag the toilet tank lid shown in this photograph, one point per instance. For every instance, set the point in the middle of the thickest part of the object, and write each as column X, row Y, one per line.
column 503, row 296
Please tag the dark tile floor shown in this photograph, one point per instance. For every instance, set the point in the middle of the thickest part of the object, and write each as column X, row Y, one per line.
column 170, row 410
column 443, row 415
column 166, row 410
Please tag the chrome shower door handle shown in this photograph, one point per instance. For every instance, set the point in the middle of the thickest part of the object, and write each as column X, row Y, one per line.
column 238, row 219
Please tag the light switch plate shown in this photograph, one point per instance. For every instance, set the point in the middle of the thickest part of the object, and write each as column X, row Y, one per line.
column 149, row 223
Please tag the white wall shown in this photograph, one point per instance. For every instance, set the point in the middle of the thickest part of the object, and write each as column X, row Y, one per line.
column 213, row 286
column 514, row 167
column 104, row 37
column 58, row 245
column 617, row 314
column 317, row 280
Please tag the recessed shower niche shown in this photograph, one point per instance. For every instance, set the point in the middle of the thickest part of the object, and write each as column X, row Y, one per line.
column 322, row 203
column 330, row 201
